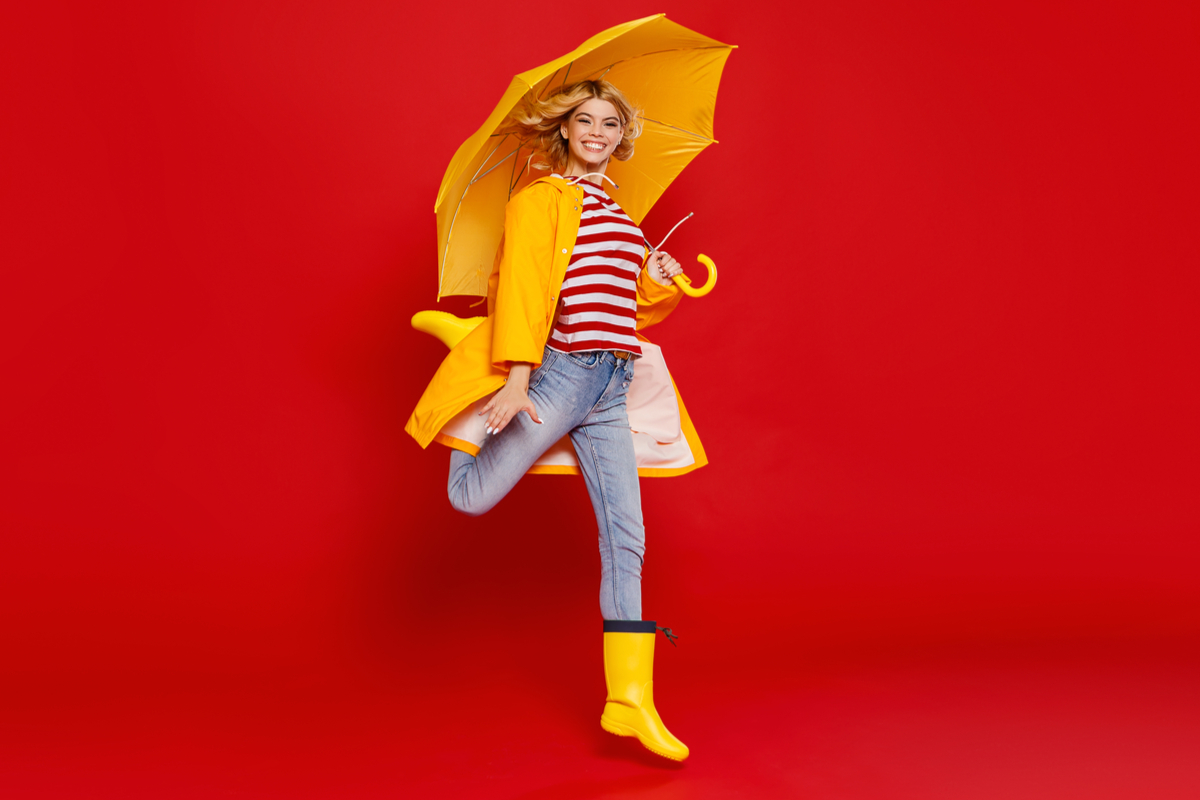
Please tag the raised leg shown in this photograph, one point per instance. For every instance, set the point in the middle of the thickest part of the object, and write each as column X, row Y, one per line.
column 563, row 393
column 477, row 483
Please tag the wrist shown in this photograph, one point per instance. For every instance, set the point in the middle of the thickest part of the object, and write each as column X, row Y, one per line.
column 518, row 374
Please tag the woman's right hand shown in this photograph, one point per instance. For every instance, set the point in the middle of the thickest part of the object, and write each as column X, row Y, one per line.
column 512, row 399
column 662, row 268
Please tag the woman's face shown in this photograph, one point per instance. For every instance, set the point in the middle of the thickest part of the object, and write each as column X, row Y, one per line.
column 593, row 131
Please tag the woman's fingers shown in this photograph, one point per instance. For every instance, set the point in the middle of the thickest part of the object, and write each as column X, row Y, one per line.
column 499, row 418
column 668, row 267
column 497, row 421
column 504, row 406
column 490, row 411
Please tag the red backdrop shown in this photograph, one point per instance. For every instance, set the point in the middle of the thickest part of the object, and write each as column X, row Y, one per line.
column 947, row 383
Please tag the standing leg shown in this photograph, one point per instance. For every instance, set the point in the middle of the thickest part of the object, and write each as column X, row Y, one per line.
column 604, row 447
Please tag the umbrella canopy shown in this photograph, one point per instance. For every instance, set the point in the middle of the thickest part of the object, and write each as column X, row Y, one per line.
column 668, row 72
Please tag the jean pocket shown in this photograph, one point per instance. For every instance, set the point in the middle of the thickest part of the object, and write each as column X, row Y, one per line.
column 587, row 359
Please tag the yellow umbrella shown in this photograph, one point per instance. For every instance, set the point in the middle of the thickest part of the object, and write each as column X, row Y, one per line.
column 667, row 71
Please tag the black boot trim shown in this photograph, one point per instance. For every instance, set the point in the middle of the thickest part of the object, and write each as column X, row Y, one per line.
column 629, row 626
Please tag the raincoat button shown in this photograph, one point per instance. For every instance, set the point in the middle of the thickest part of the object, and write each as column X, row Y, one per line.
column 564, row 250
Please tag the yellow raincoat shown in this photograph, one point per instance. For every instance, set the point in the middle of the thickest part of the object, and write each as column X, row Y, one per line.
column 523, row 293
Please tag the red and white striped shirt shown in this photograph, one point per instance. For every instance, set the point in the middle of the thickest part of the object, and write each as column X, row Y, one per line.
column 599, row 293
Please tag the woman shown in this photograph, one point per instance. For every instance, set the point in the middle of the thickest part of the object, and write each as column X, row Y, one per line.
column 571, row 286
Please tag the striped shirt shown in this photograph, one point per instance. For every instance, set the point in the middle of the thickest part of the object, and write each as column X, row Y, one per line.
column 599, row 293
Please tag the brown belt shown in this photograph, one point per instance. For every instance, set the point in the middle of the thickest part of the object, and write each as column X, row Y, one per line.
column 625, row 354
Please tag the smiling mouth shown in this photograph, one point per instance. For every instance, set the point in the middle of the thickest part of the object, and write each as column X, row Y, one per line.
column 594, row 147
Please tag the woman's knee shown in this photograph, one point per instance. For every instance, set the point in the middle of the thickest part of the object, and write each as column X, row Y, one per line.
column 464, row 503
column 465, row 507
column 461, row 466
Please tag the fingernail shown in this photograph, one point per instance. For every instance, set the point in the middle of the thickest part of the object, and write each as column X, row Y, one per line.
column 489, row 430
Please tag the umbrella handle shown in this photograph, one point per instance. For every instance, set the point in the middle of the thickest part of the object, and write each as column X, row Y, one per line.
column 683, row 282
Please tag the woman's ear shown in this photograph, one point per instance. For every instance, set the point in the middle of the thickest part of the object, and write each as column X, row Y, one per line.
column 563, row 130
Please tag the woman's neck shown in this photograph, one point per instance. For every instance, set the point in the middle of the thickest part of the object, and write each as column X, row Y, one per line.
column 577, row 169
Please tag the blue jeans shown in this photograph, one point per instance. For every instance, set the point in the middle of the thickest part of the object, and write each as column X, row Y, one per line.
column 583, row 395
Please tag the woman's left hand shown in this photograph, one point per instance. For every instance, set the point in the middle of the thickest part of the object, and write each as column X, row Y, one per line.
column 662, row 267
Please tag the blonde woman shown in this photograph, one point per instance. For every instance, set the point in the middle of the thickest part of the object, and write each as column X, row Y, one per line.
column 572, row 285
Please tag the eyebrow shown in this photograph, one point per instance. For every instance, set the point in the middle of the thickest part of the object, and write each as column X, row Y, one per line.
column 606, row 119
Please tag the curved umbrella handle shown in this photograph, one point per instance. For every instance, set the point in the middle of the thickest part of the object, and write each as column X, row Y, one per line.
column 683, row 282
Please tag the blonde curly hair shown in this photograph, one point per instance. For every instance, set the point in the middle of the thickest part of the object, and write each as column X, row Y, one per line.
column 536, row 123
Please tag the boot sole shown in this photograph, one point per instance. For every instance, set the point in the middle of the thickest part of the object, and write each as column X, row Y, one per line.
column 618, row 729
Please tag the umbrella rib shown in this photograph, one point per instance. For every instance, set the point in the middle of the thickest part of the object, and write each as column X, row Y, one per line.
column 549, row 83
column 608, row 69
column 668, row 50
column 446, row 248
column 498, row 163
column 489, row 158
column 520, row 174
column 514, row 171
column 566, row 75
column 450, row 230
column 676, row 127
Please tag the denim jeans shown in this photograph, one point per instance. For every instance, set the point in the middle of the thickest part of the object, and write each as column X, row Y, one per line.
column 581, row 395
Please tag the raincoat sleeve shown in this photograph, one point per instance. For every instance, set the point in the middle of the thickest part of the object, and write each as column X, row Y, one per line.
column 530, row 221
column 654, row 301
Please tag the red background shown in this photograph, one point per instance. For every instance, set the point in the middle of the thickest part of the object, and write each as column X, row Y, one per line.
column 947, row 385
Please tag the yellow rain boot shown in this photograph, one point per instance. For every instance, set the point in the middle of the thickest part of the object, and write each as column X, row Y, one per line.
column 447, row 327
column 629, row 673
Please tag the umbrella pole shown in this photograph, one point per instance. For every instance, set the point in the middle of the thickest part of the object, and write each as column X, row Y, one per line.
column 668, row 236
